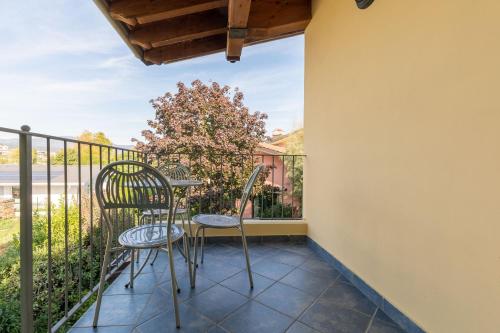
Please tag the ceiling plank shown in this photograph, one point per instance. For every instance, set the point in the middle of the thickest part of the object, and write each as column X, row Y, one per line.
column 180, row 29
column 186, row 50
column 267, row 13
column 135, row 12
column 238, row 12
column 284, row 30
column 271, row 19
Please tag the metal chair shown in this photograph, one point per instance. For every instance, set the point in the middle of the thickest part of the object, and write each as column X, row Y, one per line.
column 204, row 221
column 176, row 171
column 131, row 185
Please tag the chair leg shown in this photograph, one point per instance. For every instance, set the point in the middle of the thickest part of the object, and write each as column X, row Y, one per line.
column 154, row 259
column 131, row 282
column 185, row 248
column 202, row 245
column 141, row 268
column 188, row 255
column 195, row 262
column 102, row 279
column 175, row 286
column 245, row 249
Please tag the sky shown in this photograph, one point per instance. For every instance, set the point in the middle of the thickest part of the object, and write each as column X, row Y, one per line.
column 63, row 70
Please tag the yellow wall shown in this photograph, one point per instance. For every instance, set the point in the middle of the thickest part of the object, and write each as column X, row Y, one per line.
column 402, row 130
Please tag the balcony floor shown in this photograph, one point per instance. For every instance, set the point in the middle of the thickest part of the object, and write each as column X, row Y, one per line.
column 294, row 292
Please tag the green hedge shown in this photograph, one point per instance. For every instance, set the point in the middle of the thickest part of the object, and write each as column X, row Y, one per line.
column 10, row 265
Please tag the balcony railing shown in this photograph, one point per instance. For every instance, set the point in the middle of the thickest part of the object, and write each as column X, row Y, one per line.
column 61, row 240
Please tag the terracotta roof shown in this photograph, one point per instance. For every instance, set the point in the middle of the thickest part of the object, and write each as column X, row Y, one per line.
column 268, row 148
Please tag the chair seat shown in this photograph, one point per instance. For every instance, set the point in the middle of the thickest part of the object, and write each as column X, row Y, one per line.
column 158, row 212
column 149, row 235
column 217, row 221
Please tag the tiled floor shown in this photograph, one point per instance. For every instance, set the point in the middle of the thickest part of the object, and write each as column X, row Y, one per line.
column 294, row 291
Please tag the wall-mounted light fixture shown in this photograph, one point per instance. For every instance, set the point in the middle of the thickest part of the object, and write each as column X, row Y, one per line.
column 363, row 4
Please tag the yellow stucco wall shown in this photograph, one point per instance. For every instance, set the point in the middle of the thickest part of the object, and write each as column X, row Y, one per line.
column 402, row 133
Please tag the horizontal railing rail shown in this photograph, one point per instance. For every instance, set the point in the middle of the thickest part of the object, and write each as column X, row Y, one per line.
column 61, row 239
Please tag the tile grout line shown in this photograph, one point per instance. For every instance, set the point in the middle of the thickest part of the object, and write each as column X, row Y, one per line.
column 312, row 304
column 371, row 320
column 254, row 299
column 135, row 326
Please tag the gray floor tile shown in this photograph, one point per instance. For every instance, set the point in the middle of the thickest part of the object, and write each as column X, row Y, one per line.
column 299, row 327
column 343, row 279
column 240, row 284
column 302, row 249
column 380, row 315
column 164, row 322
column 379, row 326
column 330, row 318
column 271, row 269
column 217, row 329
column 160, row 301
column 221, row 249
column 159, row 266
column 187, row 292
column 349, row 297
column 236, row 259
column 102, row 329
column 149, row 306
column 217, row 302
column 116, row 310
column 313, row 284
column 216, row 270
column 318, row 266
column 256, row 318
column 285, row 299
column 260, row 249
column 288, row 257
column 143, row 284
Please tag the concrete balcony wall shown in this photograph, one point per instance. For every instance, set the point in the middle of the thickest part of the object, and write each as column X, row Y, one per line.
column 402, row 133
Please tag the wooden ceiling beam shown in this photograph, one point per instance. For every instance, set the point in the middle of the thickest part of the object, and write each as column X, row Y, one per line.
column 179, row 29
column 135, row 12
column 267, row 13
column 186, row 50
column 271, row 19
column 284, row 30
column 238, row 12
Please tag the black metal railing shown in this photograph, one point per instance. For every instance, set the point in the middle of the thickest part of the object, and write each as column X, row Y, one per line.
column 61, row 241
column 278, row 195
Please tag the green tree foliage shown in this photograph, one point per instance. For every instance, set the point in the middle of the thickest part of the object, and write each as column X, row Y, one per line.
column 72, row 150
column 13, row 157
column 295, row 166
column 10, row 265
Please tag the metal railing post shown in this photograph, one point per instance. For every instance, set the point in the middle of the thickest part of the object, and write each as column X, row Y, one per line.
column 26, row 235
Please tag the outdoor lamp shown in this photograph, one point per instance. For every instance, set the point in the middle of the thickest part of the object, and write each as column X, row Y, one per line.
column 363, row 4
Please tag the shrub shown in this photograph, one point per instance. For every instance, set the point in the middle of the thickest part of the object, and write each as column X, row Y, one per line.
column 10, row 266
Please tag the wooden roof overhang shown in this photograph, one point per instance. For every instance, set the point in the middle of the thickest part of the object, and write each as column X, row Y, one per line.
column 165, row 31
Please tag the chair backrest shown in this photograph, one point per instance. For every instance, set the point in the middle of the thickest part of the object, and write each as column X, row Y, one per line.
column 247, row 190
column 132, row 185
column 176, row 171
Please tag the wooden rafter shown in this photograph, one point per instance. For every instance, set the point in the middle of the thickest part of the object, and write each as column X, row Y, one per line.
column 135, row 12
column 164, row 31
column 184, row 28
column 272, row 19
column 238, row 12
column 186, row 50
